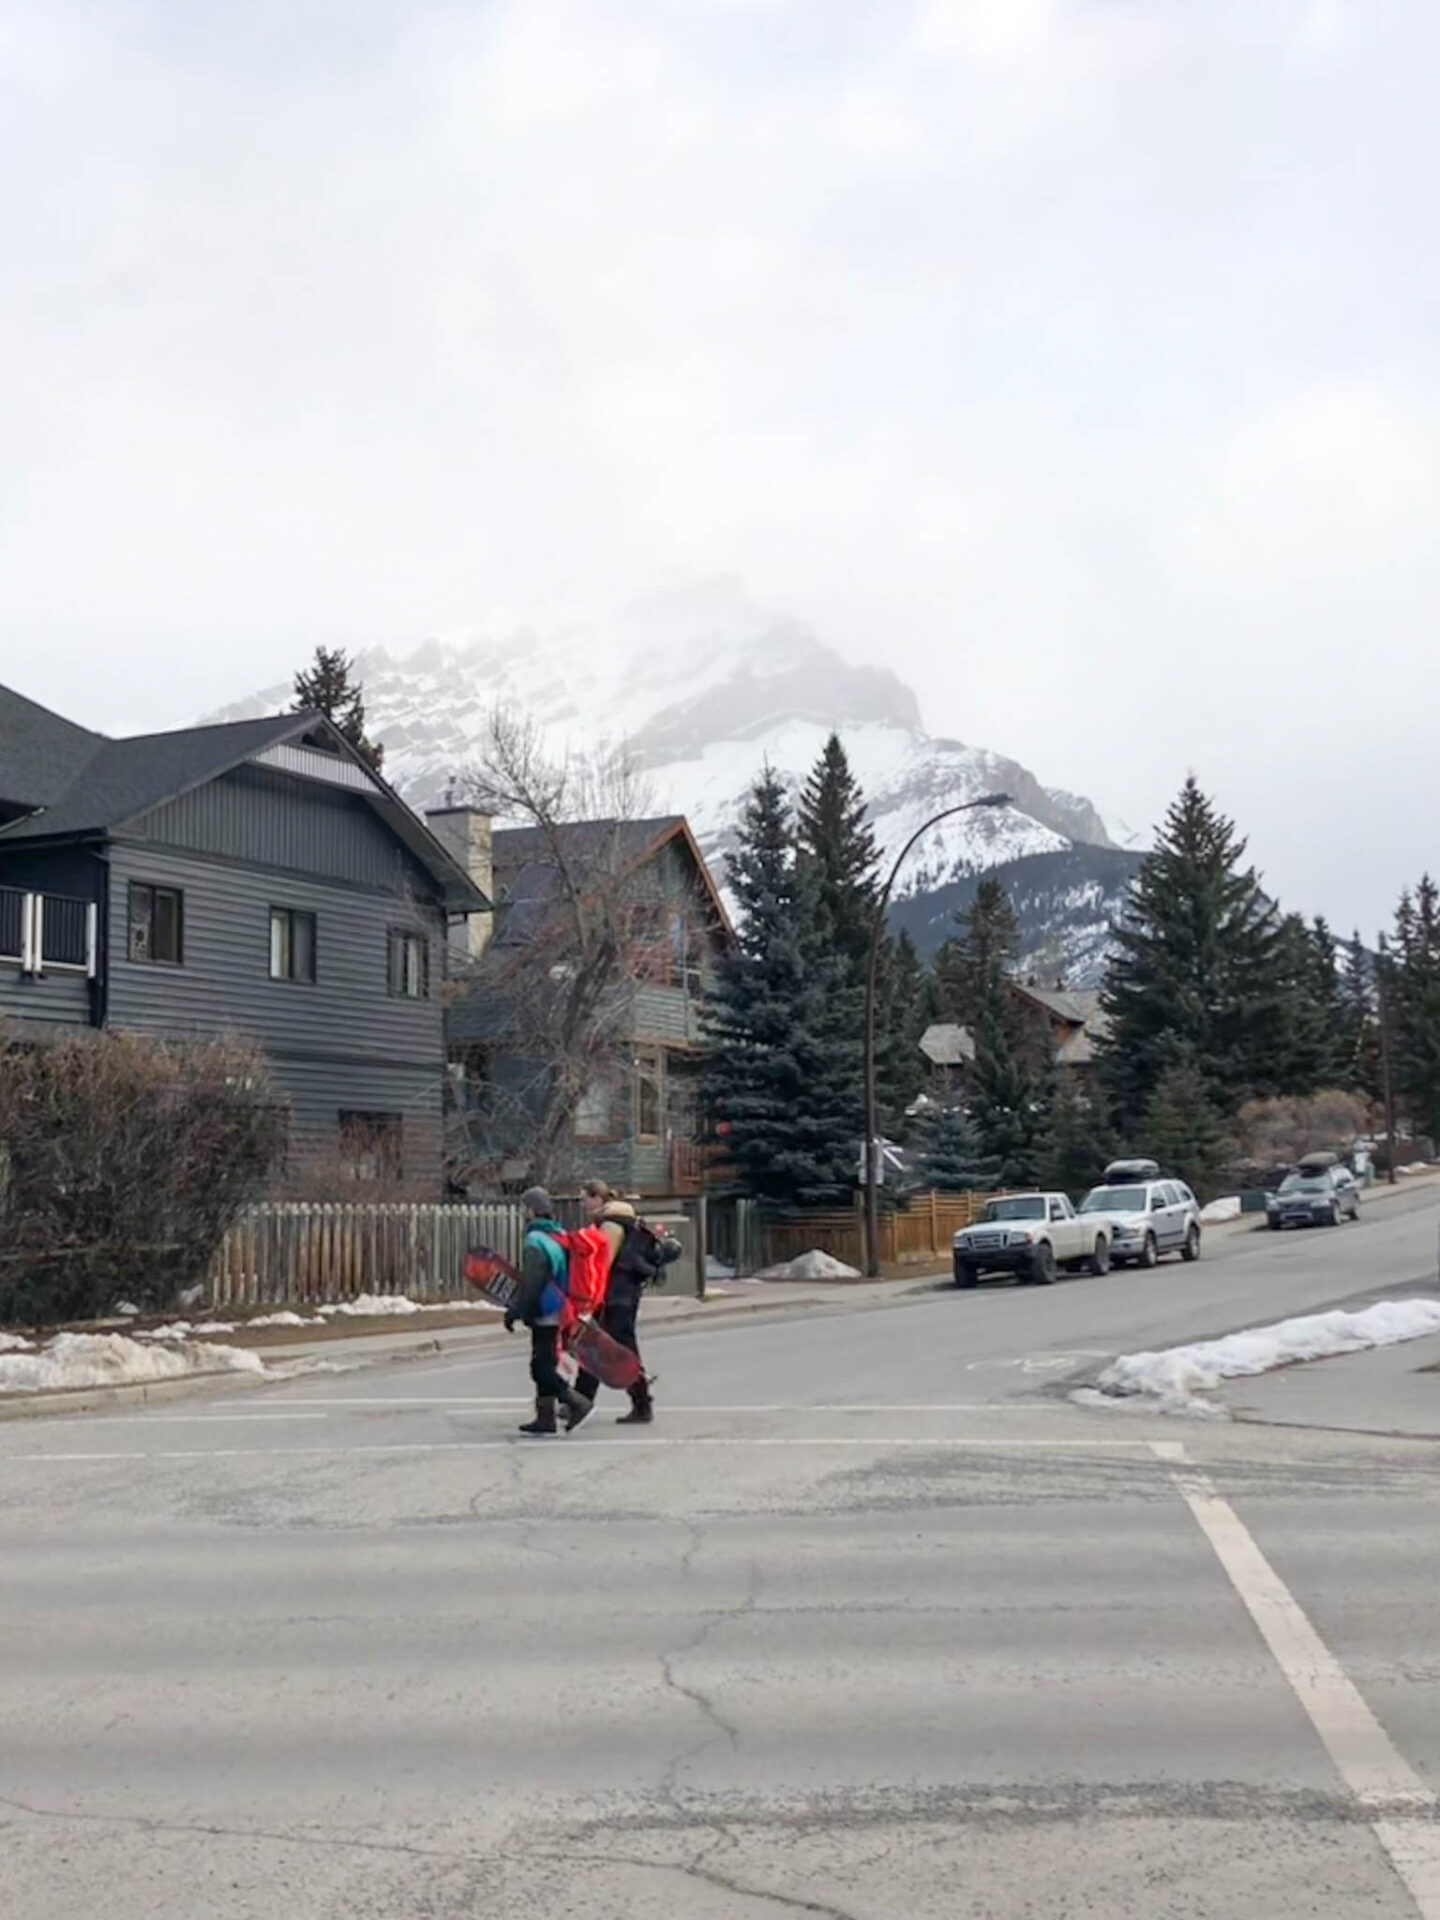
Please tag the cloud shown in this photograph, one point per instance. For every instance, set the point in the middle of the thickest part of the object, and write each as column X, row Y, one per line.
column 1047, row 350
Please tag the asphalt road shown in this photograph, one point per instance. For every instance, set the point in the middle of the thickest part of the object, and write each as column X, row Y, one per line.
column 872, row 1623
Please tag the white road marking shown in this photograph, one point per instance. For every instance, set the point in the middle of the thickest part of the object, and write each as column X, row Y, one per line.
column 979, row 1443
column 191, row 1419
column 1403, row 1808
column 825, row 1406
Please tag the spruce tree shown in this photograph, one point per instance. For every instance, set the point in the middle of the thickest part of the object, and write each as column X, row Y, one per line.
column 1304, row 1051
column 329, row 689
column 839, row 847
column 781, row 1074
column 900, row 1022
column 973, row 965
column 950, row 1159
column 1359, row 1050
column 1416, row 1010
column 1073, row 1144
column 1184, row 1129
column 1195, row 972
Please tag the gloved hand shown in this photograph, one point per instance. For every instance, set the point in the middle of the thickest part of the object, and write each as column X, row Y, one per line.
column 509, row 1323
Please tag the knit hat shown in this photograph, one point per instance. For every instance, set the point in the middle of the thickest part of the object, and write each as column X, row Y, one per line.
column 537, row 1202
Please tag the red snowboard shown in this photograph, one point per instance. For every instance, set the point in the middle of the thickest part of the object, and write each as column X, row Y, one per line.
column 599, row 1354
column 492, row 1274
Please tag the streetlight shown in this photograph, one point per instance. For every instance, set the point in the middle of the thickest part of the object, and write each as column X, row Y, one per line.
column 872, row 1118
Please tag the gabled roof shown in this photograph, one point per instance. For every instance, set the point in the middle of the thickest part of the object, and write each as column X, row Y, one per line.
column 78, row 785
column 40, row 753
column 530, row 879
column 948, row 1045
column 1077, row 1008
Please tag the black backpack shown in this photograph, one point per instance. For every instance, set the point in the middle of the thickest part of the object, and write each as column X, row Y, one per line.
column 645, row 1252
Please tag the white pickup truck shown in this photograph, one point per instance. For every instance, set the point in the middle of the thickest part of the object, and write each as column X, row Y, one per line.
column 1031, row 1235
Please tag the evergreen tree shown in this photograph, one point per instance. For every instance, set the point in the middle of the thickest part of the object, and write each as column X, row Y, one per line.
column 328, row 688
column 1073, row 1144
column 1415, row 1013
column 1184, row 1129
column 1006, row 1101
column 837, row 844
column 1359, row 1050
column 1195, row 975
column 972, row 967
column 901, row 1019
column 781, row 1072
column 1305, row 1042
column 950, row 1159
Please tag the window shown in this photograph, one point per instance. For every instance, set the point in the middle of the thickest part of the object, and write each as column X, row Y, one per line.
column 409, row 964
column 595, row 1111
column 372, row 1146
column 292, row 945
column 649, row 1093
column 157, row 917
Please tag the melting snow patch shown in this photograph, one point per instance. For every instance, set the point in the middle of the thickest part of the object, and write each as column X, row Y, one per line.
column 114, row 1360
column 376, row 1306
column 812, row 1266
column 1227, row 1208
column 15, row 1343
column 1177, row 1379
column 283, row 1319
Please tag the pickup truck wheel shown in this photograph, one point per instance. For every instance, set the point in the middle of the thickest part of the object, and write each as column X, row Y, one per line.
column 1191, row 1248
column 1099, row 1261
column 1042, row 1267
column 1151, row 1252
column 967, row 1274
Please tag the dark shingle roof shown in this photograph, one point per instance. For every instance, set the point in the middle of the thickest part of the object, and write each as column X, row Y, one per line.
column 41, row 755
column 123, row 778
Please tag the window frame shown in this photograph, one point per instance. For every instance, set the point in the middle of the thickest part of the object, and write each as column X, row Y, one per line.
column 385, row 1145
column 156, row 890
column 607, row 1131
column 649, row 1065
column 399, row 943
column 288, row 916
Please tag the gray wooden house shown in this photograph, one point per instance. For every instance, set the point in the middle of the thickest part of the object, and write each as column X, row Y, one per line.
column 256, row 879
column 636, row 1121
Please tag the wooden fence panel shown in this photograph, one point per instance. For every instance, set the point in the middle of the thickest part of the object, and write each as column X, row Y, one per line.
column 321, row 1254
column 920, row 1232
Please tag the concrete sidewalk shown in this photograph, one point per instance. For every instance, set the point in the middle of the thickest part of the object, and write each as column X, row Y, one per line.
column 1394, row 1391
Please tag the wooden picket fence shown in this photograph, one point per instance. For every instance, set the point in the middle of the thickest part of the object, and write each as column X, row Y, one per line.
column 283, row 1251
column 920, row 1232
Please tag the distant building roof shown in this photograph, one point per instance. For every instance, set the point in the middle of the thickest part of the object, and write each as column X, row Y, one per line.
column 948, row 1045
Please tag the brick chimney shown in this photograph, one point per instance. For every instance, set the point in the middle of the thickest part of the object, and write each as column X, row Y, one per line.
column 464, row 832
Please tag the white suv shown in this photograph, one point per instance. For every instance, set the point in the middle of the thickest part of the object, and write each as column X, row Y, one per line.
column 1148, row 1216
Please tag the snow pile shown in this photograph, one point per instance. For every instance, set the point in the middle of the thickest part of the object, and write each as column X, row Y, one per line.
column 284, row 1319
column 1177, row 1379
column 1227, row 1208
column 15, row 1343
column 183, row 1330
column 380, row 1306
column 115, row 1360
column 812, row 1266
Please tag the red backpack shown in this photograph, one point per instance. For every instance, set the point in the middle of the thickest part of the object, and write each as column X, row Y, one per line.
column 589, row 1252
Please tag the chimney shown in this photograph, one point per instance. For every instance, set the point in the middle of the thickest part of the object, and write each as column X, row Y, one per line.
column 464, row 832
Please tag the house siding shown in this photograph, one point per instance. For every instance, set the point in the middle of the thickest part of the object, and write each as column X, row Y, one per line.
column 344, row 1043
column 262, row 818
column 54, row 999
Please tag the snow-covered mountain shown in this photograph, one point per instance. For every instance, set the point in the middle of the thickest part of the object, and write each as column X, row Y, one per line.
column 706, row 689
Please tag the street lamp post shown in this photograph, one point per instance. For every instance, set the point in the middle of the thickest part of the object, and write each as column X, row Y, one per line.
column 1383, row 1007
column 872, row 1117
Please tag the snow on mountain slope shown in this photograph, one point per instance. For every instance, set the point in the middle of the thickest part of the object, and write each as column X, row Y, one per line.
column 707, row 689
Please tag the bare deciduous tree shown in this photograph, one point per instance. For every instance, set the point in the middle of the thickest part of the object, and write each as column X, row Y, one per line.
column 552, row 989
column 122, row 1162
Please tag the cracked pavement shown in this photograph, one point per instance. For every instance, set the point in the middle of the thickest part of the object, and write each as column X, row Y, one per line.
column 872, row 1623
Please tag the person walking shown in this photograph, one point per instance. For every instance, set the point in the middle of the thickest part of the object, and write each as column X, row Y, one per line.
column 630, row 1273
column 540, row 1304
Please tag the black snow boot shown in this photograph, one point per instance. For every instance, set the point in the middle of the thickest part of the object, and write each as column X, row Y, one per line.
column 544, row 1421
column 642, row 1407
column 577, row 1408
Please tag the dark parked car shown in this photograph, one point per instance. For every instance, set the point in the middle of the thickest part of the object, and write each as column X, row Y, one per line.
column 1319, row 1192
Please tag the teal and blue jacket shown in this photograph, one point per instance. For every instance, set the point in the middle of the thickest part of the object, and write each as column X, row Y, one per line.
column 544, row 1272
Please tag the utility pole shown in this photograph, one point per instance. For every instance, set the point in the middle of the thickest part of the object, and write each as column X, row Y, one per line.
column 872, row 1102
column 1387, row 1080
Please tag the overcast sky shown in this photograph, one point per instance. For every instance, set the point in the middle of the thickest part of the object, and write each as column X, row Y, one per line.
column 1077, row 359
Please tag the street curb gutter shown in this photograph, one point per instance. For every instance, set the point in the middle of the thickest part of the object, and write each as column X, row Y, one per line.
column 292, row 1363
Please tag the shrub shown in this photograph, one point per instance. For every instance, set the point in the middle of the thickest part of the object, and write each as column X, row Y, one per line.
column 122, row 1162
column 1277, row 1132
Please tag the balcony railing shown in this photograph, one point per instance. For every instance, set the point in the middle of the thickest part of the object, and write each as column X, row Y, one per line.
column 42, row 932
